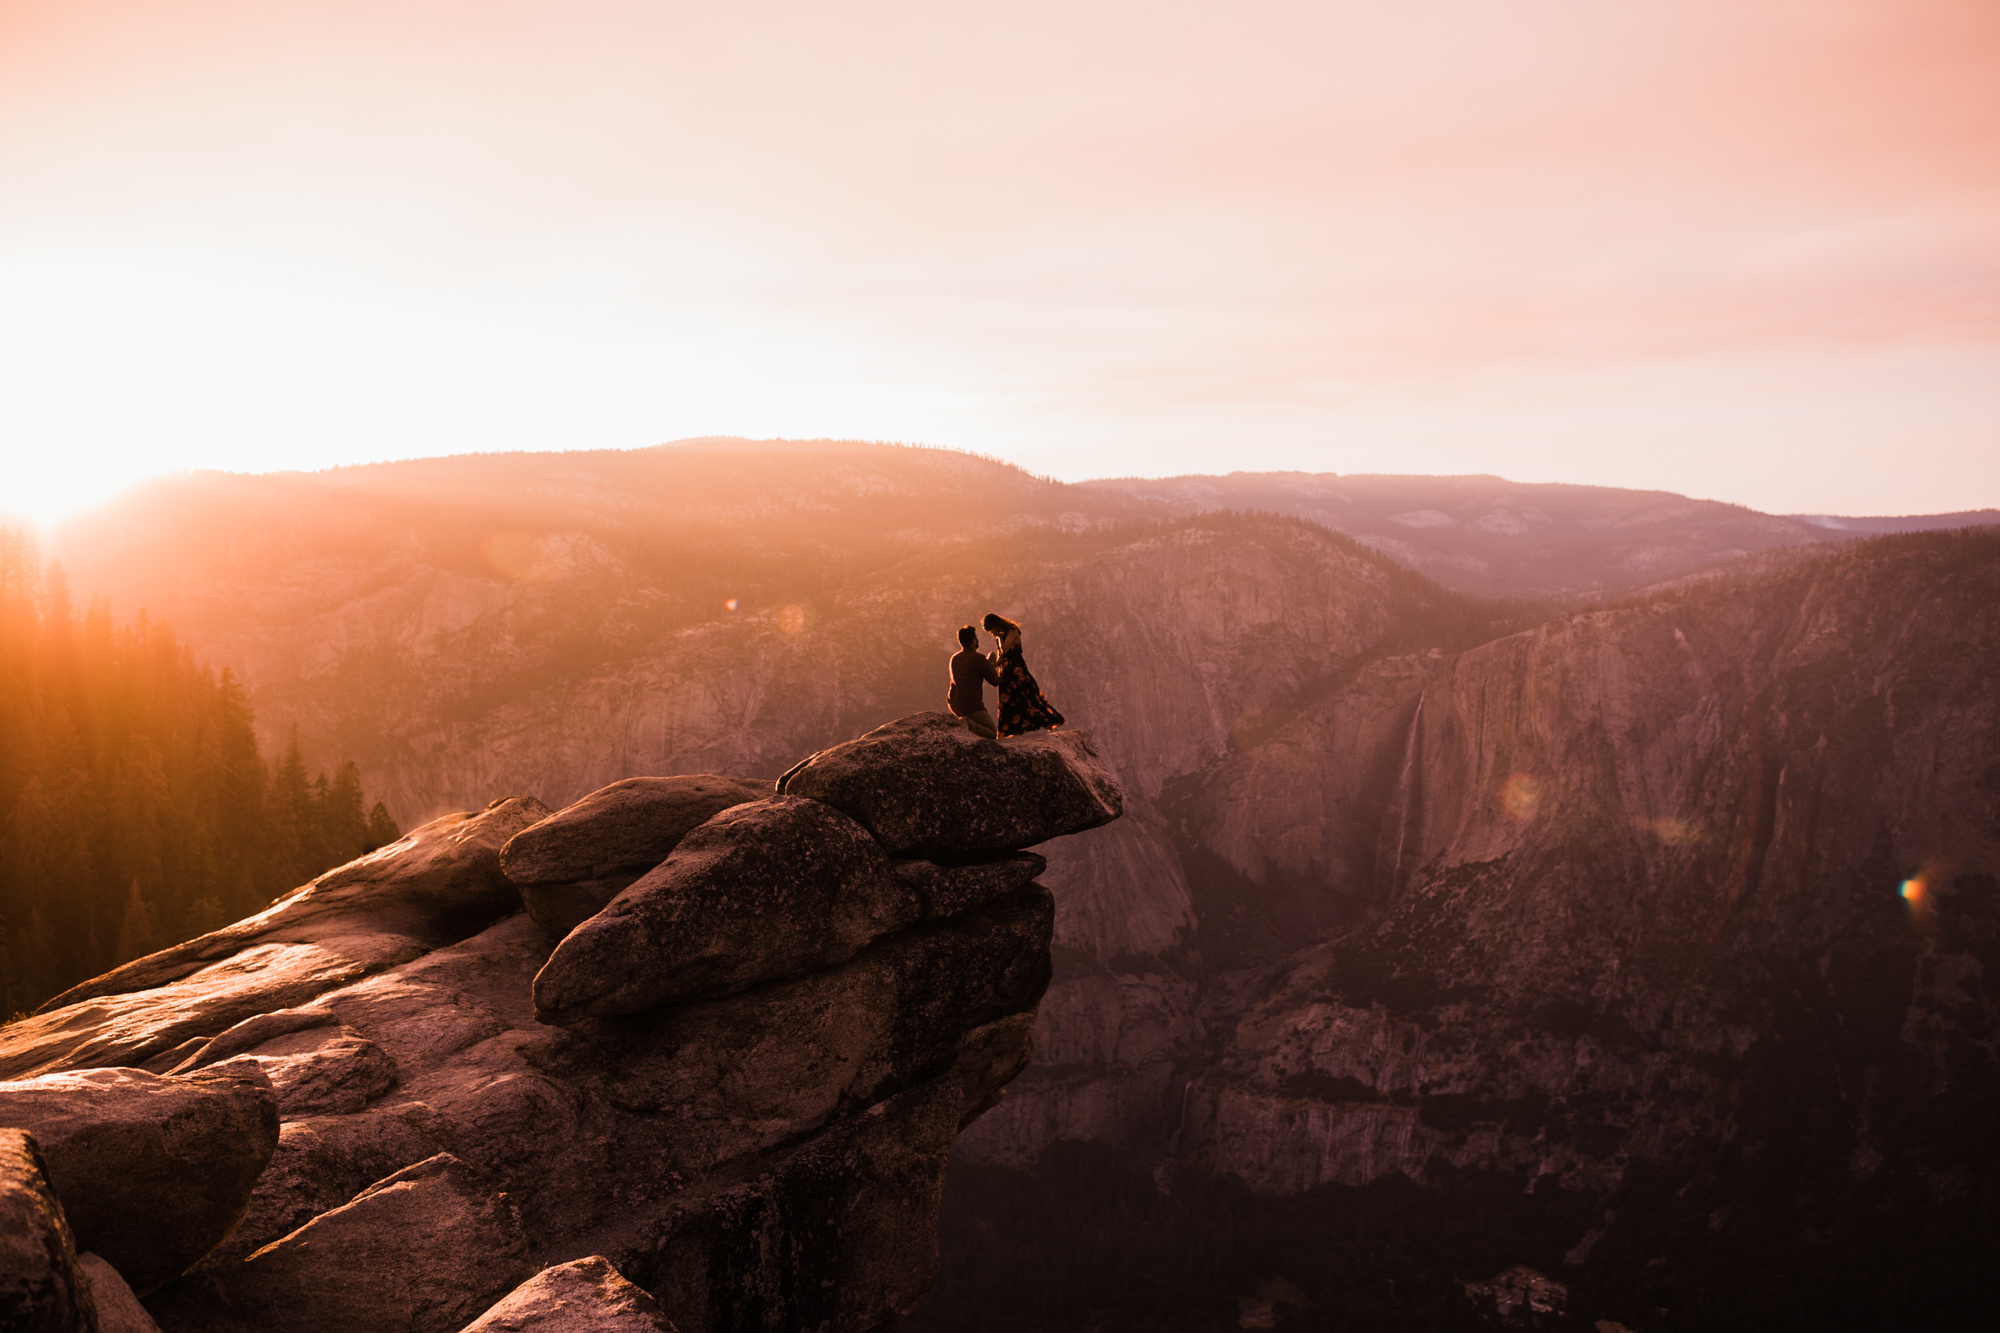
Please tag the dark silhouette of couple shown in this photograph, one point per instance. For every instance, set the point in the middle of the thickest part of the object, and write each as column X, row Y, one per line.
column 1022, row 707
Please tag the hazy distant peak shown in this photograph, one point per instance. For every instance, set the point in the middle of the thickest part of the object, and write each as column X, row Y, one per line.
column 1488, row 535
column 871, row 501
column 1875, row 525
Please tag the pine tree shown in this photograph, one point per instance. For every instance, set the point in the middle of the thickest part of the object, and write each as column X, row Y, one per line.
column 382, row 830
column 342, row 823
column 136, row 936
column 290, row 807
column 32, row 974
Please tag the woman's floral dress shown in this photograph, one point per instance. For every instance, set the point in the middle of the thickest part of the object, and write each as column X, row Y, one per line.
column 1022, row 707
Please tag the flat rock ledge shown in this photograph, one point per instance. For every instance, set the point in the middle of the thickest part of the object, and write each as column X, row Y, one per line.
column 925, row 786
column 685, row 1055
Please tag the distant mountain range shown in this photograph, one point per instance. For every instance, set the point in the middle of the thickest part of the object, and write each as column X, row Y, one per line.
column 1476, row 534
column 1592, row 891
column 1499, row 538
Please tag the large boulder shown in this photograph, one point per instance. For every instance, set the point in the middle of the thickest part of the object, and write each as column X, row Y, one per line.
column 424, row 1251
column 571, row 864
column 582, row 1296
column 325, row 1070
column 321, row 1163
column 153, row 1172
column 757, row 1069
column 439, row 883
column 764, row 1046
column 925, row 786
column 316, row 1063
column 41, row 1290
column 758, row 892
column 118, row 1309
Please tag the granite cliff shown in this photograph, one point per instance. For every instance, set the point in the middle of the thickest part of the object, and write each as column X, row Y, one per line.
column 1680, row 909
column 1680, row 918
column 1641, row 856
column 457, row 642
column 717, row 1094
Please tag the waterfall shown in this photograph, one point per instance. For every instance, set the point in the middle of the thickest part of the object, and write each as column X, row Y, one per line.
column 1163, row 1170
column 1404, row 785
column 1174, row 1139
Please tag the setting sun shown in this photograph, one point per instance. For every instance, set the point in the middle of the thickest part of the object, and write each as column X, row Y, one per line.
column 1736, row 251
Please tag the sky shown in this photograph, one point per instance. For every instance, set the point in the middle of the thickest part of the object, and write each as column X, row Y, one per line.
column 1746, row 249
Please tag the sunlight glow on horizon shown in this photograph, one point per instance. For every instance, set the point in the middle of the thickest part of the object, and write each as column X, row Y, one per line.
column 1741, row 251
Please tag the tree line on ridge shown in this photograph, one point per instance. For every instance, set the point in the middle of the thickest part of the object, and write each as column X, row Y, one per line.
column 136, row 810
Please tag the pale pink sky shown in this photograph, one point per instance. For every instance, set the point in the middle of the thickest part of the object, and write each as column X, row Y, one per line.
column 1745, row 250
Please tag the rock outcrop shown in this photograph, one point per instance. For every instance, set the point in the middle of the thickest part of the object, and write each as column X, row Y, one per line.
column 154, row 1172
column 1638, row 848
column 925, row 786
column 804, row 880
column 433, row 1245
column 117, row 1305
column 41, row 1290
column 1398, row 891
column 582, row 1296
column 440, row 884
column 721, row 1102
column 571, row 864
column 760, row 892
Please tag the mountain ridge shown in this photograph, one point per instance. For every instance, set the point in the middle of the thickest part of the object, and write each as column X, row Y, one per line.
column 1313, row 740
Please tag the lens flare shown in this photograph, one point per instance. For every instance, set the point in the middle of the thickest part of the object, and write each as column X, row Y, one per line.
column 1521, row 796
column 1914, row 890
column 792, row 619
column 511, row 555
column 729, row 605
column 1670, row 831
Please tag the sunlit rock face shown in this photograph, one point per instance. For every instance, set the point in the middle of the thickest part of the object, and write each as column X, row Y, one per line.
column 723, row 1101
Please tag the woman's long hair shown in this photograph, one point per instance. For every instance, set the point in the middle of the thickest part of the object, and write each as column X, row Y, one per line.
column 998, row 624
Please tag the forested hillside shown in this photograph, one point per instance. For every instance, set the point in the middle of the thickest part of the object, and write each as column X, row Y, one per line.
column 136, row 809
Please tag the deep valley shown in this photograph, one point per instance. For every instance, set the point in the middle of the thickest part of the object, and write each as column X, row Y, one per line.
column 1628, row 911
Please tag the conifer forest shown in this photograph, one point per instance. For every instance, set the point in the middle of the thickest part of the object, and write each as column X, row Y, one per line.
column 135, row 807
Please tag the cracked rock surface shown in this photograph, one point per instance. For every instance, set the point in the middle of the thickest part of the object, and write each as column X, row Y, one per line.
column 721, row 1101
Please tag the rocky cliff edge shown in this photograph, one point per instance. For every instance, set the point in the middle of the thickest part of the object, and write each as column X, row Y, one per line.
column 686, row 1054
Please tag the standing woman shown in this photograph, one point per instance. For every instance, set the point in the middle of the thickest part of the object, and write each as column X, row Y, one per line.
column 1022, row 707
